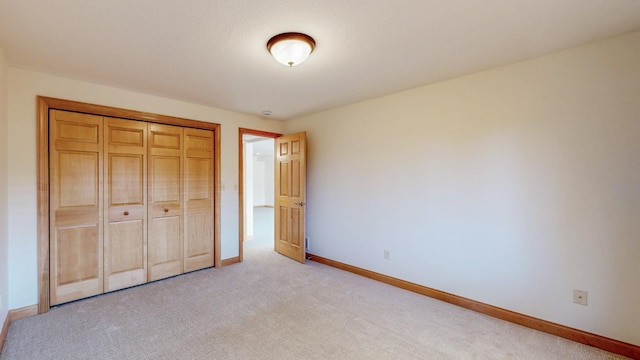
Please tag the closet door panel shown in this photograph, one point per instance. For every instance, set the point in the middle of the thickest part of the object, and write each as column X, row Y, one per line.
column 126, row 176
column 76, row 206
column 78, row 179
column 77, row 254
column 198, row 198
column 127, row 251
column 126, row 216
column 198, row 246
column 164, row 251
column 165, row 209
column 166, row 186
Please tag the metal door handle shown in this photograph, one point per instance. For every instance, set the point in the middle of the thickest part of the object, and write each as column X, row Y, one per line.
column 300, row 203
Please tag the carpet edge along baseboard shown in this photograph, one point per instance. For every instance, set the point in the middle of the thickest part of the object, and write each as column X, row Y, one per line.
column 598, row 341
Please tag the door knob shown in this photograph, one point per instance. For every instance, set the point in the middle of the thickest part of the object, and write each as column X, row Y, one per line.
column 300, row 203
column 166, row 210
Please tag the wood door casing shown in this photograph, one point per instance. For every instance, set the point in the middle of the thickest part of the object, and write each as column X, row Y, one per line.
column 125, row 232
column 165, row 179
column 76, row 206
column 290, row 196
column 198, row 199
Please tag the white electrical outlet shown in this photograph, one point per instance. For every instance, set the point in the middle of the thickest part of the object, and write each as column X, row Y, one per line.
column 580, row 297
column 387, row 255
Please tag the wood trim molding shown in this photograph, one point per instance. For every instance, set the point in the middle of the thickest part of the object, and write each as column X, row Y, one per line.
column 601, row 342
column 265, row 134
column 217, row 202
column 14, row 315
column 231, row 261
column 243, row 131
column 43, row 204
column 23, row 312
column 102, row 110
column 4, row 332
column 44, row 104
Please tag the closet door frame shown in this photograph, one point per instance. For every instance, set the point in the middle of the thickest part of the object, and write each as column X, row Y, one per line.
column 44, row 105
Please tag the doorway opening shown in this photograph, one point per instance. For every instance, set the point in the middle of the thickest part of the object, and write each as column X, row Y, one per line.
column 256, row 190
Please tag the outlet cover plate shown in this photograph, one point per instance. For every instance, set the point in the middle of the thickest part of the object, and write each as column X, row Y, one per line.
column 580, row 297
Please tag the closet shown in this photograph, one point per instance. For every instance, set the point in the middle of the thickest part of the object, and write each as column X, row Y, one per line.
column 129, row 202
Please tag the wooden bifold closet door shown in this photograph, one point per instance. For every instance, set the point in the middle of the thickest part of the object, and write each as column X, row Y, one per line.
column 198, row 199
column 165, row 201
column 130, row 202
column 125, row 216
column 76, row 224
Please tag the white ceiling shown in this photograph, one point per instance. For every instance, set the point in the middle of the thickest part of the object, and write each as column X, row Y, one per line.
column 213, row 52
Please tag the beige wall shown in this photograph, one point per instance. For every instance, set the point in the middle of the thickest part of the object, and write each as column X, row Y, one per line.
column 23, row 87
column 4, row 246
column 512, row 186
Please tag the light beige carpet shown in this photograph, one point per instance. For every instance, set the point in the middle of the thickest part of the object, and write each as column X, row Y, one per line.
column 270, row 307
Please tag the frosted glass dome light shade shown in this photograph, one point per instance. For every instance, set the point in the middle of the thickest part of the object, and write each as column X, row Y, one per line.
column 291, row 49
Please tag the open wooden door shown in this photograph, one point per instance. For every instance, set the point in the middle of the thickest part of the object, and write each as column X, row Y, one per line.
column 290, row 195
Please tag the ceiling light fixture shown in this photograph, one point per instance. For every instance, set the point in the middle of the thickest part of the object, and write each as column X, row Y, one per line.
column 291, row 48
